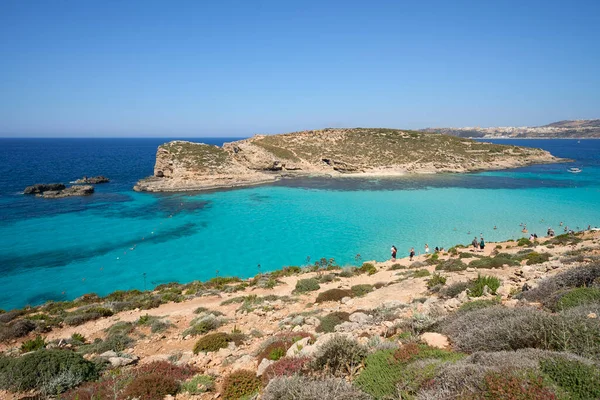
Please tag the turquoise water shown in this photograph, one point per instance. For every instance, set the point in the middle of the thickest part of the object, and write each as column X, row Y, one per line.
column 110, row 242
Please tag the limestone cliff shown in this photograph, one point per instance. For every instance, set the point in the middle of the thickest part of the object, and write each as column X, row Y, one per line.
column 182, row 165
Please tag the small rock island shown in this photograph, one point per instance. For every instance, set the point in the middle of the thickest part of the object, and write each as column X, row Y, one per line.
column 182, row 165
column 93, row 180
column 58, row 190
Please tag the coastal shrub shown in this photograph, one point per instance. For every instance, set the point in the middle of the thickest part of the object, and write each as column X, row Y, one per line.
column 466, row 255
column 524, row 242
column 116, row 342
column 330, row 321
column 240, row 384
column 286, row 366
column 151, row 387
column 454, row 289
column 156, row 324
column 579, row 380
column 339, row 356
column 476, row 286
column 120, row 328
column 396, row 267
column 219, row 282
column 577, row 297
column 436, row 280
column 513, row 386
column 286, row 271
column 421, row 273
column 499, row 328
column 165, row 368
column 276, row 346
column 198, row 384
column 367, row 268
column 16, row 329
column 326, row 278
column 307, row 285
column 212, row 342
column 274, row 351
column 536, row 258
column 451, row 265
column 33, row 345
column 498, row 261
column 80, row 319
column 576, row 277
column 7, row 317
column 348, row 272
column 202, row 326
column 452, row 251
column 333, row 295
column 78, row 338
column 379, row 285
column 305, row 388
column 564, row 239
column 478, row 305
column 361, row 290
column 49, row 371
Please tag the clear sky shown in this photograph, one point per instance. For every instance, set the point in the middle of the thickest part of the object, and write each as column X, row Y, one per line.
column 235, row 68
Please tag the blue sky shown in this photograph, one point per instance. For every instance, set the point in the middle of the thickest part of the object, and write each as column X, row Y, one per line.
column 235, row 68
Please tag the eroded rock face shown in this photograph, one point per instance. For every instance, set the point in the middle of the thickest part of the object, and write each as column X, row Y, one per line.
column 92, row 180
column 43, row 187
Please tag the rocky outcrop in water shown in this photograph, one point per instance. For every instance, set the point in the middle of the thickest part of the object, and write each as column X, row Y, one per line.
column 58, row 190
column 184, row 165
column 93, row 180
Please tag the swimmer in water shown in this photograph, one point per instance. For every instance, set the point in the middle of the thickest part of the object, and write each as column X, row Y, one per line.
column 495, row 227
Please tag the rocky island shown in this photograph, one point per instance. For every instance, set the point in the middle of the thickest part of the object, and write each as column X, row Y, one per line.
column 182, row 165
column 58, row 190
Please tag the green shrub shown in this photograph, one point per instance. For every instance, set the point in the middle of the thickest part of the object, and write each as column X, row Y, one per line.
column 512, row 386
column 120, row 328
column 212, row 342
column 581, row 381
column 578, row 296
column 361, row 290
column 536, row 258
column 49, row 371
column 33, row 345
column 307, row 285
column 198, row 384
column 274, row 350
column 240, row 384
column 116, row 342
column 396, row 267
column 367, row 268
column 339, row 356
column 421, row 273
column 435, row 280
column 466, row 255
column 476, row 285
column 330, row 321
column 16, row 329
column 524, row 242
column 451, row 265
column 201, row 327
column 348, row 272
column 454, row 289
column 78, row 338
column 286, row 366
column 151, row 387
column 333, row 295
column 452, row 251
column 478, row 305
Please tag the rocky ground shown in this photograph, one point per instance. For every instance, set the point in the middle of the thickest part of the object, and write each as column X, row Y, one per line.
column 382, row 306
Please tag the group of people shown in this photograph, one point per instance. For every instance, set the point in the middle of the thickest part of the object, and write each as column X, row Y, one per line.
column 478, row 244
column 412, row 253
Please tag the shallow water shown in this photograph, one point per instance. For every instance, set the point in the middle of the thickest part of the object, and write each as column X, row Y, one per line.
column 60, row 249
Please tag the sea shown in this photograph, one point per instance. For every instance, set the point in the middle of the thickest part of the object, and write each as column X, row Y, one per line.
column 118, row 239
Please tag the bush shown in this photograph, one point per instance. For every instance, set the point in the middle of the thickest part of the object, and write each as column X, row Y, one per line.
column 580, row 380
column 304, row 388
column 117, row 342
column 33, row 345
column 201, row 327
column 510, row 386
column 239, row 384
column 151, row 387
column 500, row 328
column 330, row 321
column 333, row 295
column 276, row 347
column 454, row 289
column 499, row 261
column 198, row 384
column 16, row 329
column 49, row 371
column 340, row 356
column 577, row 297
column 165, row 368
column 466, row 255
column 78, row 338
column 286, row 366
column 451, row 265
column 524, row 242
column 536, row 258
column 361, row 290
column 421, row 273
column 435, row 280
column 396, row 267
column 478, row 305
column 274, row 351
column 212, row 342
column 367, row 268
column 477, row 285
column 307, row 285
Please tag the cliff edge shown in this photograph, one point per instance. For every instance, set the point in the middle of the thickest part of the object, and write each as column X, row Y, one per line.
column 182, row 165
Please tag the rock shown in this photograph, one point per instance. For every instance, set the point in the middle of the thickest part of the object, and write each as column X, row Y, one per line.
column 504, row 290
column 43, row 187
column 393, row 304
column 486, row 291
column 346, row 300
column 451, row 304
column 84, row 190
column 434, row 339
column 361, row 318
column 313, row 321
column 347, row 327
column 592, row 315
column 298, row 320
column 263, row 365
column 244, row 362
column 92, row 180
column 463, row 296
column 298, row 347
column 116, row 362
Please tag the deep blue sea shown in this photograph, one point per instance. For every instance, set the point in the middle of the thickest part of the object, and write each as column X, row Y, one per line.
column 60, row 249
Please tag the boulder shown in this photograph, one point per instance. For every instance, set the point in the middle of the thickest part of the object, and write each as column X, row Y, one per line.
column 436, row 340
column 43, row 187
column 84, row 190
column 298, row 346
column 263, row 365
column 92, row 180
column 361, row 318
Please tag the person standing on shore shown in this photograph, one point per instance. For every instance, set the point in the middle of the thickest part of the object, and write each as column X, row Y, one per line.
column 394, row 251
column 412, row 253
column 481, row 244
column 475, row 243
column 426, row 248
